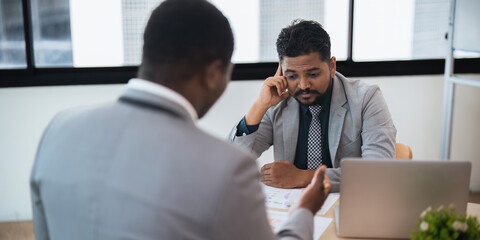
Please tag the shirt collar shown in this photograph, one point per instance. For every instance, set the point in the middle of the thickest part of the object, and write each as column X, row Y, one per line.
column 159, row 90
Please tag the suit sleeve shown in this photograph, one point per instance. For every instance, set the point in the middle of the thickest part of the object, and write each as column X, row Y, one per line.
column 241, row 213
column 244, row 129
column 39, row 220
column 378, row 131
column 334, row 175
column 258, row 141
column 38, row 210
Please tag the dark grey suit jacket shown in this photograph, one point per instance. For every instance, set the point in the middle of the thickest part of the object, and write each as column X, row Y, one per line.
column 360, row 125
column 139, row 168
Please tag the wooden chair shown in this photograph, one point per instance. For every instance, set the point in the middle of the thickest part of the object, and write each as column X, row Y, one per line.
column 403, row 151
column 18, row 230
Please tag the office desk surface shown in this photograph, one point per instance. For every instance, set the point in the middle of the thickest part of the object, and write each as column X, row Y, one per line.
column 473, row 209
column 24, row 229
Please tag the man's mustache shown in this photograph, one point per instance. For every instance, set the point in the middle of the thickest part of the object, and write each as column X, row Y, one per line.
column 306, row 91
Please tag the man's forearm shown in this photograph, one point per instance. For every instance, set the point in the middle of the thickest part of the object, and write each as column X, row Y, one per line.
column 255, row 114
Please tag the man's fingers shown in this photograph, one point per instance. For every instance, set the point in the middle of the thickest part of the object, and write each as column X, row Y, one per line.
column 266, row 178
column 326, row 187
column 283, row 81
column 282, row 86
column 279, row 70
column 279, row 87
column 322, row 179
column 265, row 167
column 326, row 183
column 278, row 83
column 267, row 172
column 269, row 183
column 285, row 87
column 319, row 175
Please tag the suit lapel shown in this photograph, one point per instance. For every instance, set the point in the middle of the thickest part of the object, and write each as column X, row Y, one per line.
column 290, row 129
column 337, row 117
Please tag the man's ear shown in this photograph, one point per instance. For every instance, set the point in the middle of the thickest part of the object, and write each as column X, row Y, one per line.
column 333, row 66
column 212, row 74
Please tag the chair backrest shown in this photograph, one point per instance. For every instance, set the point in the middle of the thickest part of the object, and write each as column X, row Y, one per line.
column 403, row 151
column 17, row 230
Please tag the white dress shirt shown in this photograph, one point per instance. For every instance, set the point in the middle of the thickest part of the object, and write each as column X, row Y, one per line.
column 159, row 90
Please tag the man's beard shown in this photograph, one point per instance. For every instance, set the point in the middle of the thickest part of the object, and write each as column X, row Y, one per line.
column 318, row 100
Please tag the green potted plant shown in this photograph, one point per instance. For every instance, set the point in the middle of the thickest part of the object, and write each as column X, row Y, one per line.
column 443, row 223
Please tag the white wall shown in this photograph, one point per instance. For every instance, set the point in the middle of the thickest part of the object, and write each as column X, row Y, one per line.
column 415, row 103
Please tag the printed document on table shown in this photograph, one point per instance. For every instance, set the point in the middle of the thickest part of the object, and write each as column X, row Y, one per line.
column 284, row 198
column 279, row 197
column 277, row 218
column 331, row 199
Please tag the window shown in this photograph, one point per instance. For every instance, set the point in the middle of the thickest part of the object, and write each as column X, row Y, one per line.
column 90, row 41
column 73, row 33
column 255, row 35
column 89, row 33
column 12, row 39
column 400, row 30
column 51, row 33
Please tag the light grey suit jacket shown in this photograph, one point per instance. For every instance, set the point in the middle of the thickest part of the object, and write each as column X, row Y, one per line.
column 360, row 125
column 139, row 168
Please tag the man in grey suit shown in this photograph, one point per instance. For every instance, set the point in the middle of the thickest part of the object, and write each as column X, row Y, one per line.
column 139, row 168
column 313, row 115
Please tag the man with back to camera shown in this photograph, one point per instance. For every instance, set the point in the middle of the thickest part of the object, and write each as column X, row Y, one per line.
column 139, row 168
column 313, row 115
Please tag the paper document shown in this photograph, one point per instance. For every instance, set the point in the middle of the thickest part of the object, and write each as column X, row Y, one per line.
column 277, row 218
column 331, row 199
column 279, row 197
column 284, row 198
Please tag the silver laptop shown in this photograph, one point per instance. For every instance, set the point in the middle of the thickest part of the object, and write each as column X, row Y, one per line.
column 384, row 198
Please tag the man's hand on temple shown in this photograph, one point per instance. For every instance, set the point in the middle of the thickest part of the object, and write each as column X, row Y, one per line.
column 274, row 90
column 283, row 174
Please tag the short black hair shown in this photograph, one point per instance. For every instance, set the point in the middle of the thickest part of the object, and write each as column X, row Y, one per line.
column 182, row 37
column 301, row 38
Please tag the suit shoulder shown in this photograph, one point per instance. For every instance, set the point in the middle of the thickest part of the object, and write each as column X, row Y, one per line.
column 82, row 111
column 356, row 84
column 357, row 90
column 75, row 114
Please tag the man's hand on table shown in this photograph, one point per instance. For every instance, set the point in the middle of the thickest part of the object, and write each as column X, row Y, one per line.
column 283, row 174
